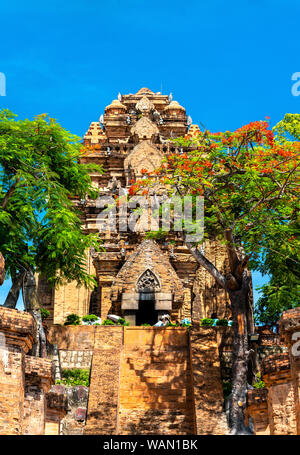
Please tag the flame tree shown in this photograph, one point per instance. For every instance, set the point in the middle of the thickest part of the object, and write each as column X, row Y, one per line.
column 249, row 179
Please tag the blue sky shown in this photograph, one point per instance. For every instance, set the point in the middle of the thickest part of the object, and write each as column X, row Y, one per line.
column 228, row 62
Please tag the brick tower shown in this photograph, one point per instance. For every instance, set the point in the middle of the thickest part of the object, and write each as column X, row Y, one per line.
column 137, row 278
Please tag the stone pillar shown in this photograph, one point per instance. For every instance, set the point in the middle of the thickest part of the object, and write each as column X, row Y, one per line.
column 39, row 376
column 290, row 331
column 17, row 332
column 257, row 411
column 277, row 377
column 57, row 406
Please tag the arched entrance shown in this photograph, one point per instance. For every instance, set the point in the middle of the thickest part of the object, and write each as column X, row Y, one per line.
column 146, row 287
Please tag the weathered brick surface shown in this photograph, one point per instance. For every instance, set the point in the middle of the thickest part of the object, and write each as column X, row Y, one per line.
column 42, row 368
column 104, row 383
column 275, row 364
column 289, row 331
column 206, row 380
column 257, row 410
column 18, row 327
column 57, row 398
column 155, row 382
column 267, row 337
column 293, row 313
column 210, row 297
column 72, row 338
column 17, row 331
column 265, row 351
column 34, row 407
column 57, row 406
column 281, row 409
column 75, row 420
column 12, row 384
column 67, row 299
column 281, row 400
column 39, row 376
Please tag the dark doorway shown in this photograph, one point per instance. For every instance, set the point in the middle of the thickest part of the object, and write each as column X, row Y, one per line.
column 146, row 313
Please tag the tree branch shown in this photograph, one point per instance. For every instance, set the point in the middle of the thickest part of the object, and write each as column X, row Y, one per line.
column 9, row 194
column 201, row 259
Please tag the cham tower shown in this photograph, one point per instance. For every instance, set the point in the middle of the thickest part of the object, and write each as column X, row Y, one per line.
column 138, row 278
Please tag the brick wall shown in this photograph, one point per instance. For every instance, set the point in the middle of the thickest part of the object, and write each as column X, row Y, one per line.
column 39, row 376
column 17, row 331
column 210, row 298
column 142, row 384
column 207, row 385
column 57, row 406
column 71, row 298
column 257, row 410
column 281, row 399
column 74, row 422
column 73, row 338
column 155, row 382
column 12, row 385
column 103, row 401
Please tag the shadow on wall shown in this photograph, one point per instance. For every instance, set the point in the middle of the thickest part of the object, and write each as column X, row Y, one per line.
column 155, row 382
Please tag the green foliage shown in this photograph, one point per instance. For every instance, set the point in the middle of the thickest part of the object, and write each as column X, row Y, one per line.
column 222, row 322
column 74, row 377
column 288, row 128
column 108, row 322
column 207, row 322
column 40, row 173
column 185, row 325
column 279, row 295
column 145, row 325
column 157, row 235
column 173, row 324
column 72, row 319
column 44, row 313
column 122, row 321
column 258, row 383
column 90, row 318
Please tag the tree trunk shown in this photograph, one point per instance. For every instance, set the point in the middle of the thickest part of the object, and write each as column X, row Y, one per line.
column 2, row 269
column 14, row 292
column 240, row 356
column 237, row 283
column 253, row 360
column 32, row 306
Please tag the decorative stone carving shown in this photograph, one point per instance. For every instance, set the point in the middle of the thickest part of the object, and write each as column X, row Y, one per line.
column 144, row 105
column 114, row 184
column 145, row 129
column 129, row 282
column 143, row 156
column 148, row 282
